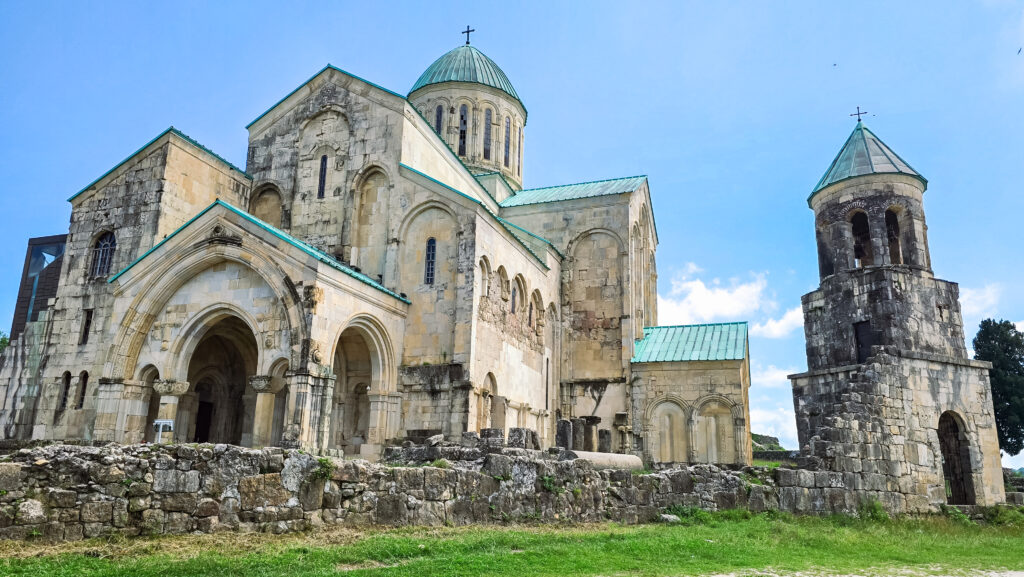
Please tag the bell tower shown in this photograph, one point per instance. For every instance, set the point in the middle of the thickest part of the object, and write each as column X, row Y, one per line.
column 890, row 393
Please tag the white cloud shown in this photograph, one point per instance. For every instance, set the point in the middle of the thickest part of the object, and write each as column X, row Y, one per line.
column 778, row 422
column 977, row 304
column 980, row 302
column 694, row 301
column 1014, row 461
column 779, row 328
column 771, row 377
column 1020, row 326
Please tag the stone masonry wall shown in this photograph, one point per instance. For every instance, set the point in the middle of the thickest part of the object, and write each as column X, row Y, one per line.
column 62, row 492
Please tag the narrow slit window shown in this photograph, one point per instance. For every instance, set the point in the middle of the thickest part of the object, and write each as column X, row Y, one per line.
column 86, row 327
column 487, row 134
column 892, row 229
column 430, row 261
column 64, row 392
column 463, row 124
column 519, row 154
column 323, row 177
column 438, row 115
column 82, row 385
column 513, row 300
column 529, row 316
column 508, row 140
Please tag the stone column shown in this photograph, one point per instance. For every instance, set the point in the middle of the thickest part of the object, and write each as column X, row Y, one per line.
column 578, row 434
column 740, row 434
column 108, row 408
column 296, row 415
column 263, row 414
column 590, row 433
column 170, row 392
column 563, row 438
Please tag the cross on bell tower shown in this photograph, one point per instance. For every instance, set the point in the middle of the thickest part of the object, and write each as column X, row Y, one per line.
column 466, row 32
column 858, row 114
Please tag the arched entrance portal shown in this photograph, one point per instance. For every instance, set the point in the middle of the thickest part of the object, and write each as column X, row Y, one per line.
column 715, row 440
column 669, row 442
column 355, row 370
column 219, row 408
column 956, row 461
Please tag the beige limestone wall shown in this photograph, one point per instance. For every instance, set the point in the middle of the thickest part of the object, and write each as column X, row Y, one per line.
column 695, row 411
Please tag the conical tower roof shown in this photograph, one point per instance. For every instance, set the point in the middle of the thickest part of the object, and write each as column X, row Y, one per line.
column 863, row 154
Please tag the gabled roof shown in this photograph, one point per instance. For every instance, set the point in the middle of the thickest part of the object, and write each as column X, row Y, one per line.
column 864, row 153
column 319, row 72
column 574, row 191
column 709, row 342
column 170, row 130
column 466, row 64
column 306, row 248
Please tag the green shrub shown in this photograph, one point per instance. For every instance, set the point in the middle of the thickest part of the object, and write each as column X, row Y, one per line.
column 324, row 469
column 440, row 464
column 955, row 515
column 872, row 510
column 1008, row 516
column 691, row 515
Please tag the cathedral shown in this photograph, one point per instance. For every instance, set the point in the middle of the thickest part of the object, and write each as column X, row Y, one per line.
column 377, row 273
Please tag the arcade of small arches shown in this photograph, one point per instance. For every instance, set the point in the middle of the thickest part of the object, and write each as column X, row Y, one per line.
column 869, row 236
column 711, row 430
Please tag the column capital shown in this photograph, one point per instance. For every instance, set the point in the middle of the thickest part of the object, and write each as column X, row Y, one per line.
column 170, row 388
column 266, row 384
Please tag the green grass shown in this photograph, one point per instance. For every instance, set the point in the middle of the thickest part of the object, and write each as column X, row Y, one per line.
column 769, row 464
column 706, row 544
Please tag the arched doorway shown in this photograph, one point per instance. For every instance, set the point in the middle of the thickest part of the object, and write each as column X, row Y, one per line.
column 219, row 370
column 355, row 370
column 956, row 460
column 484, row 398
column 715, row 439
column 668, row 438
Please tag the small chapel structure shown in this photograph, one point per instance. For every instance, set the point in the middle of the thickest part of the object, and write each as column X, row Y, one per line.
column 377, row 272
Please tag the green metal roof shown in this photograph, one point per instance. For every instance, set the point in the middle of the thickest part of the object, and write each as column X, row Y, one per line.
column 864, row 153
column 145, row 146
column 306, row 248
column 466, row 64
column 574, row 191
column 712, row 342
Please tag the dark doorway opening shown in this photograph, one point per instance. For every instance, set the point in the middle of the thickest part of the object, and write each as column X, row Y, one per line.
column 204, row 416
column 865, row 338
column 956, row 461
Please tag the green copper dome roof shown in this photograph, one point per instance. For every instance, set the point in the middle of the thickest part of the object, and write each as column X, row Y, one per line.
column 864, row 153
column 466, row 64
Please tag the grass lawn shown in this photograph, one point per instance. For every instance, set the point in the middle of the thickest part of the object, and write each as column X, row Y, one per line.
column 709, row 544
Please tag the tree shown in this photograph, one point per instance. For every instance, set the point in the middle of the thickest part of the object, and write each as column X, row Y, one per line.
column 1000, row 343
column 4, row 341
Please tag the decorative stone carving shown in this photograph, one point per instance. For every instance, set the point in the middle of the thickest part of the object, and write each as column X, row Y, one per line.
column 169, row 388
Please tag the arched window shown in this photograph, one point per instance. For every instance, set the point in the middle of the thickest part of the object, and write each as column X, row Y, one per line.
column 487, row 134
column 892, row 230
column 519, row 154
column 862, row 253
column 438, row 115
column 508, row 138
column 103, row 255
column 429, row 261
column 825, row 265
column 323, row 177
column 83, row 382
column 64, row 392
column 463, row 122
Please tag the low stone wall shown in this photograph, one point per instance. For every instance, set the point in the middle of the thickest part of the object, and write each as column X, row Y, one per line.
column 66, row 492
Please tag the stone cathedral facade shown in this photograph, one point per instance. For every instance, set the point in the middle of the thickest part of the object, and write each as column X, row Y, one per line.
column 376, row 273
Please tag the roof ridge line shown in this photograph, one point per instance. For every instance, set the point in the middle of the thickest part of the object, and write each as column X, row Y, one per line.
column 584, row 182
column 698, row 325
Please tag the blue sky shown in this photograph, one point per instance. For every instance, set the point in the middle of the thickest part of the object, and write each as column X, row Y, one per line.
column 734, row 110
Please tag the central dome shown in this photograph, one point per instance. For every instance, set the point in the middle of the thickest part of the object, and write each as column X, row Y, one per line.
column 466, row 64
